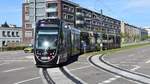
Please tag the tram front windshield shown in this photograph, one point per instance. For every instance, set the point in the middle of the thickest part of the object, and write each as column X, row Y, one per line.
column 47, row 39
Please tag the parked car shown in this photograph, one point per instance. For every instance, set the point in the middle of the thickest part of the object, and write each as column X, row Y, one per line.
column 28, row 49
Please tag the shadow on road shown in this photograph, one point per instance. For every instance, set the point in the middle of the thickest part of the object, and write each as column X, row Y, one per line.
column 71, row 60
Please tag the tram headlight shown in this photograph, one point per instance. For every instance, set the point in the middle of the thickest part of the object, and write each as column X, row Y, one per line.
column 46, row 44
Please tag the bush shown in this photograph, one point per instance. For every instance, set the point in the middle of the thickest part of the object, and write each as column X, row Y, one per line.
column 13, row 48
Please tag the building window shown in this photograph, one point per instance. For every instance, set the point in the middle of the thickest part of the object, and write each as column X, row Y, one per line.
column 70, row 24
column 26, row 17
column 28, row 34
column 94, row 23
column 68, row 8
column 4, row 34
column 17, row 41
column 3, row 43
column 8, row 34
column 13, row 35
column 52, row 14
column 65, row 7
column 64, row 16
column 28, row 26
column 78, row 10
column 88, row 21
column 17, row 34
column 8, row 41
column 71, row 9
column 70, row 17
column 27, row 10
column 94, row 16
column 51, row 5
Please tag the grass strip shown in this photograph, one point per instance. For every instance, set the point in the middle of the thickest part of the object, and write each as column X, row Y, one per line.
column 129, row 47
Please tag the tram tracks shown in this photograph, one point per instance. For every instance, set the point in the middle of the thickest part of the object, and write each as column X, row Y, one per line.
column 70, row 76
column 98, row 62
column 60, row 75
column 47, row 76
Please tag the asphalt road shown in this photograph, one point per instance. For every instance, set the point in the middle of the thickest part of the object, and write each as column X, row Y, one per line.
column 136, row 60
column 92, row 75
column 128, row 59
column 17, row 67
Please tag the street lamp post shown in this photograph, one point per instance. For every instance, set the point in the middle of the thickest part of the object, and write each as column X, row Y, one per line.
column 34, row 22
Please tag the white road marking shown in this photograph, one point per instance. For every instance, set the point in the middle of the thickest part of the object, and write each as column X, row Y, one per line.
column 17, row 60
column 117, row 77
column 27, row 80
column 30, row 57
column 3, row 64
column 147, row 61
column 131, row 55
column 123, row 62
column 110, row 80
column 121, row 65
column 81, row 62
column 136, row 67
column 16, row 69
column 80, row 68
column 107, row 81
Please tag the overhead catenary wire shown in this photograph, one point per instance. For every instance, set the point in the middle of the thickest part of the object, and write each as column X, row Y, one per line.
column 109, row 10
column 106, row 6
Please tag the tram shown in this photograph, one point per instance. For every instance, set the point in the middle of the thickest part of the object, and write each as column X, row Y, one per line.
column 55, row 42
column 92, row 40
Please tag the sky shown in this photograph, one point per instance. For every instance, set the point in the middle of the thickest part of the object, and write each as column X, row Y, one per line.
column 11, row 11
column 134, row 12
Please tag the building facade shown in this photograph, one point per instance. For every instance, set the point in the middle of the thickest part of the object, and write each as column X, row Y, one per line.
column 131, row 33
column 93, row 21
column 148, row 30
column 10, row 35
column 27, row 30
column 76, row 16
column 144, row 34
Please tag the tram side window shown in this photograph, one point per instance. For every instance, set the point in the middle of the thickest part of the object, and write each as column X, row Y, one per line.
column 65, row 38
column 77, row 41
column 72, row 41
column 68, row 38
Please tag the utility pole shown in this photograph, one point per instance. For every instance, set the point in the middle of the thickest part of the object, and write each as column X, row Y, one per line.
column 34, row 23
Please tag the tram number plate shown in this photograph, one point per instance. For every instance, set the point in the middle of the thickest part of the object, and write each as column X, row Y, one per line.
column 44, row 58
